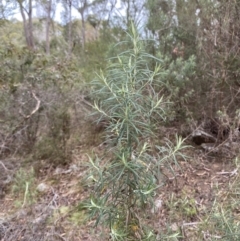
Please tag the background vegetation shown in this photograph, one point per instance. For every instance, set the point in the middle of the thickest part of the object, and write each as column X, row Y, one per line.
column 130, row 83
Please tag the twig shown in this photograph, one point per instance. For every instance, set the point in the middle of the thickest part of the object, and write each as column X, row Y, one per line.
column 207, row 235
column 25, row 194
column 234, row 172
column 57, row 235
column 190, row 224
column 37, row 106
column 4, row 166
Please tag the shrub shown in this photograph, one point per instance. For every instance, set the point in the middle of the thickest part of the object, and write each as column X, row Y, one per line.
column 39, row 103
column 130, row 100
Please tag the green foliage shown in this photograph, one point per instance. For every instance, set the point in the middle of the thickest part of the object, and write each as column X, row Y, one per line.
column 23, row 187
column 178, row 78
column 226, row 225
column 217, row 58
column 182, row 207
column 35, row 102
column 97, row 50
column 223, row 220
column 127, row 95
column 53, row 146
column 143, row 85
column 126, row 183
column 173, row 26
column 78, row 218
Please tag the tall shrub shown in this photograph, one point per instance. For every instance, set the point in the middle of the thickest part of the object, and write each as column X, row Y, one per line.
column 129, row 99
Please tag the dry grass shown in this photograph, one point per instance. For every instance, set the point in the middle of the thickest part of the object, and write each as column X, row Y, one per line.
column 199, row 201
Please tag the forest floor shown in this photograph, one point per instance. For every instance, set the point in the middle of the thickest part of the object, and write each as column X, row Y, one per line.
column 199, row 201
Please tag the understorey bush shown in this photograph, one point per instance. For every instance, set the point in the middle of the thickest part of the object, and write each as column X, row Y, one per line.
column 40, row 104
column 128, row 98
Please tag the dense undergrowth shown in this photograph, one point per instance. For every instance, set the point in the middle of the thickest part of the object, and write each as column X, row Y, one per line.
column 118, row 153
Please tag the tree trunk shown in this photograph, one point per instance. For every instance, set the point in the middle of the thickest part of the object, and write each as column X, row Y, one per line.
column 70, row 28
column 27, row 24
column 81, row 6
column 49, row 9
column 83, row 30
column 25, row 28
column 30, row 27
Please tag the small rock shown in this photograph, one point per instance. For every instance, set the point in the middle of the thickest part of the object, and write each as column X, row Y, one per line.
column 157, row 206
column 40, row 220
column 174, row 227
column 42, row 187
column 74, row 168
column 58, row 171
